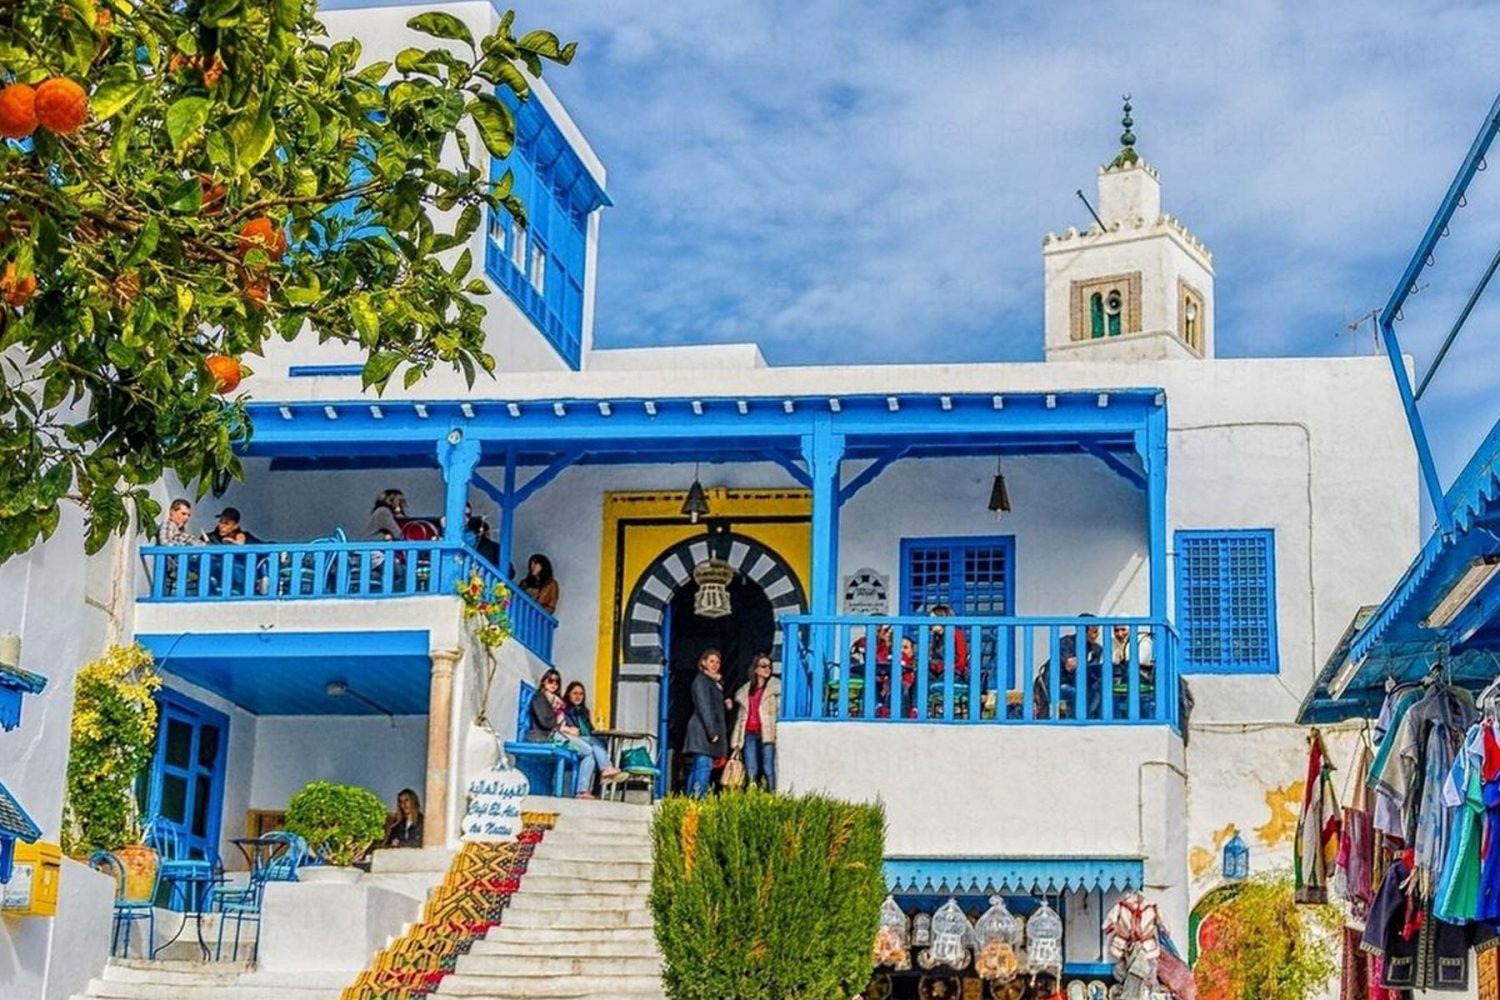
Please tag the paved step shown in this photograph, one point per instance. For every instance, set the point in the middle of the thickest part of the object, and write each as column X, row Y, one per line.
column 572, row 965
column 597, row 808
column 177, row 981
column 560, row 939
column 515, row 987
column 409, row 859
column 578, row 919
column 555, row 885
column 565, row 850
column 631, row 838
column 587, row 871
column 525, row 902
column 579, row 947
column 601, row 824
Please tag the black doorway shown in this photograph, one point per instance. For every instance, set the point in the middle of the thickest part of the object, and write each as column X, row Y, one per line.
column 750, row 628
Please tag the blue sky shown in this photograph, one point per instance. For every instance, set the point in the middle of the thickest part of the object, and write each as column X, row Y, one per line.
column 870, row 182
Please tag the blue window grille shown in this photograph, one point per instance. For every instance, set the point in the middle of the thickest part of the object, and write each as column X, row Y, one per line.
column 973, row 576
column 541, row 266
column 1226, row 601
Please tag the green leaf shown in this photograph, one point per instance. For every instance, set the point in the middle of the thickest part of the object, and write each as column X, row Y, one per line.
column 114, row 96
column 468, row 222
column 497, row 127
column 185, row 119
column 441, row 25
column 186, row 197
column 288, row 13
column 222, row 13
column 145, row 244
column 373, row 73
column 380, row 368
column 253, row 134
column 407, row 60
column 366, row 319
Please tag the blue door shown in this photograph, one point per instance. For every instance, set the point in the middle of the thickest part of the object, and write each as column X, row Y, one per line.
column 187, row 776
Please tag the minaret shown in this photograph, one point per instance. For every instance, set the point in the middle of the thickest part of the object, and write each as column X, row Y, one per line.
column 1134, row 285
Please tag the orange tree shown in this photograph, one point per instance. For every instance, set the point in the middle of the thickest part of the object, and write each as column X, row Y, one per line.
column 181, row 180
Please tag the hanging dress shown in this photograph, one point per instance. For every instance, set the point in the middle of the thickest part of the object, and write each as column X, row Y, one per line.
column 1317, row 826
column 1488, row 909
column 1458, row 888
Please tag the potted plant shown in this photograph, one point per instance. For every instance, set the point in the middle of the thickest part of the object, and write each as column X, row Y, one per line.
column 339, row 823
column 112, row 740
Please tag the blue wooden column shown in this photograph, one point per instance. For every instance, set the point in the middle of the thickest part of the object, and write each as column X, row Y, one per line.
column 1151, row 443
column 507, row 527
column 823, row 450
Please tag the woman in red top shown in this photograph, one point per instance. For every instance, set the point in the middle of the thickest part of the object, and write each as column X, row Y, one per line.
column 759, row 703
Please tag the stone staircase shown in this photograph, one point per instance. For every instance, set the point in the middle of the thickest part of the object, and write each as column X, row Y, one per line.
column 578, row 927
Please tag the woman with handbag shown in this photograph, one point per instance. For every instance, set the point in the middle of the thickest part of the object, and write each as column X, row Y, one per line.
column 707, row 737
column 759, row 703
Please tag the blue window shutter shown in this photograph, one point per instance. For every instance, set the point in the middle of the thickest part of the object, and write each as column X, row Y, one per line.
column 553, row 184
column 972, row 575
column 1226, row 601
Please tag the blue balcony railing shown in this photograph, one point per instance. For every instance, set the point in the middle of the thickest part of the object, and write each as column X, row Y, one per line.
column 994, row 670
column 332, row 570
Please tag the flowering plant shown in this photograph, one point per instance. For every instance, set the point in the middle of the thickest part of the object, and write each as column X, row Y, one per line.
column 488, row 607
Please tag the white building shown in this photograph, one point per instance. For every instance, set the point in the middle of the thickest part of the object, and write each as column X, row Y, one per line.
column 1233, row 510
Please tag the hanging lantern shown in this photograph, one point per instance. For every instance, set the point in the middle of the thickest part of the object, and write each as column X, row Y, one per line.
column 713, row 577
column 1236, row 858
column 1044, row 941
column 999, row 496
column 220, row 484
column 696, row 504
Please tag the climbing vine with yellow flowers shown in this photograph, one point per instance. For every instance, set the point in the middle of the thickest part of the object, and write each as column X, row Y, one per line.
column 112, row 742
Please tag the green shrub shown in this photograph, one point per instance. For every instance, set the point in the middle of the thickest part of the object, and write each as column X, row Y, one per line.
column 1266, row 946
column 765, row 897
column 339, row 822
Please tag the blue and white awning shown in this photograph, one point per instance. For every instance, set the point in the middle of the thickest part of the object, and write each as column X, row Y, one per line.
column 1035, row 876
column 14, row 684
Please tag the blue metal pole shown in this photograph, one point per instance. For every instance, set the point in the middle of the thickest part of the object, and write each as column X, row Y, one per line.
column 1436, row 229
column 1155, row 460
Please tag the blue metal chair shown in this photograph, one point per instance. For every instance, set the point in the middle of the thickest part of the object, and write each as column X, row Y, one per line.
column 186, row 878
column 243, row 903
column 126, row 910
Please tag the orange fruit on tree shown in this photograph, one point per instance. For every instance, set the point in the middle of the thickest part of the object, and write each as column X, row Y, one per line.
column 103, row 19
column 261, row 233
column 17, row 111
column 257, row 290
column 224, row 370
column 17, row 293
column 61, row 105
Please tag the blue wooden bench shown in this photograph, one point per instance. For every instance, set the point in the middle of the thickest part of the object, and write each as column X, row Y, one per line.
column 546, row 765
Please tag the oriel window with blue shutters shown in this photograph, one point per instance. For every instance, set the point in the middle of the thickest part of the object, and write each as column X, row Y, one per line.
column 1226, row 601
column 541, row 265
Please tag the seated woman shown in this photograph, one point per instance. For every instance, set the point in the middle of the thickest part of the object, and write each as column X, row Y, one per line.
column 406, row 831
column 549, row 723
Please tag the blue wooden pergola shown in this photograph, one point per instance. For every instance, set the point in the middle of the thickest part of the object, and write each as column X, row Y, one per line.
column 511, row 448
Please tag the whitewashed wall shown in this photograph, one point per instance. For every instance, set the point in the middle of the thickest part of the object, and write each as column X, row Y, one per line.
column 382, row 754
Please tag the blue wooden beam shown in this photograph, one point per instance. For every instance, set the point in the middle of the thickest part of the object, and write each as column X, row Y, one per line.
column 1114, row 461
column 524, row 492
column 789, row 463
column 643, row 424
column 869, row 473
column 508, row 514
column 1155, row 462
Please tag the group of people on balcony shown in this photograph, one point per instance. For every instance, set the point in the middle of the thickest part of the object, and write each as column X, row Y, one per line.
column 889, row 665
column 388, row 521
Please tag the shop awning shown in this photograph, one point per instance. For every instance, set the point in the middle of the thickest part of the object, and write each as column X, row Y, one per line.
column 14, row 683
column 1444, row 610
column 1011, row 876
column 13, row 819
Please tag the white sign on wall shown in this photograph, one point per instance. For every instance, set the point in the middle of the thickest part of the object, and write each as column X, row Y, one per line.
column 494, row 812
column 867, row 593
